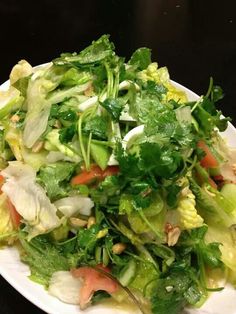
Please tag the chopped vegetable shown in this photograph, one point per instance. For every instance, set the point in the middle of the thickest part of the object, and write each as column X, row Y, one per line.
column 114, row 183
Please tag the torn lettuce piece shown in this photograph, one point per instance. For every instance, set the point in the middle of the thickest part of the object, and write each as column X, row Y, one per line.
column 10, row 101
column 38, row 109
column 225, row 237
column 43, row 91
column 6, row 225
column 29, row 199
column 161, row 76
column 64, row 286
column 20, row 70
column 13, row 137
column 53, row 144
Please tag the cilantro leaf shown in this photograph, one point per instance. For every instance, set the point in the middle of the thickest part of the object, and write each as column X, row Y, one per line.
column 98, row 51
column 66, row 134
column 155, row 89
column 164, row 162
column 68, row 115
column 210, row 253
column 114, row 107
column 141, row 58
column 98, row 126
column 53, row 176
column 175, row 290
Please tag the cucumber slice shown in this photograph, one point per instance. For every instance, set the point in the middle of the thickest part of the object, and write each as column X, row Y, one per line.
column 128, row 273
column 100, row 154
column 229, row 192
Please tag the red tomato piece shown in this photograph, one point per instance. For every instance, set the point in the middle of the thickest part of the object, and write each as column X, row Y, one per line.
column 209, row 160
column 1, row 183
column 95, row 172
column 15, row 216
column 110, row 171
column 92, row 282
column 87, row 176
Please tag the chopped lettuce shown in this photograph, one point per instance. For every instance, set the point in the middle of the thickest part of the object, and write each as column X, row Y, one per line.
column 21, row 70
column 10, row 101
column 13, row 137
column 6, row 225
column 225, row 237
column 53, row 143
column 132, row 140
column 29, row 199
column 161, row 76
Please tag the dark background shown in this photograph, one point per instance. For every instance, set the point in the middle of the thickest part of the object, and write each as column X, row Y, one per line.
column 196, row 39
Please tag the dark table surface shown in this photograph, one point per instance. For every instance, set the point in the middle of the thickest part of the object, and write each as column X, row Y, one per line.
column 196, row 39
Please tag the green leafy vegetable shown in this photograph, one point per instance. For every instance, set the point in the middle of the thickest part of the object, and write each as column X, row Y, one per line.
column 43, row 258
column 96, row 52
column 114, row 107
column 54, row 177
column 141, row 58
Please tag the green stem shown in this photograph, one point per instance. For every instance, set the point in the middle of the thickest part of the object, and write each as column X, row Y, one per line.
column 104, row 143
column 209, row 88
column 197, row 103
column 116, row 85
column 109, row 80
column 81, row 142
column 88, row 149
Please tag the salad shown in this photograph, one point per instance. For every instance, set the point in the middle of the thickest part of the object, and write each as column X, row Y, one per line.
column 114, row 186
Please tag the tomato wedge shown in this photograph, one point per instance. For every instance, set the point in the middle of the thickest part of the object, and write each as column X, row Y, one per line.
column 92, row 282
column 209, row 160
column 95, row 172
column 15, row 216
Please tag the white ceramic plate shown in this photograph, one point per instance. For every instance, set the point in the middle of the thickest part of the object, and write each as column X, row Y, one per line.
column 16, row 273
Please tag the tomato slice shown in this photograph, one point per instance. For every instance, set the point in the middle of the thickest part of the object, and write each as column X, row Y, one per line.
column 110, row 171
column 95, row 172
column 1, row 183
column 92, row 282
column 209, row 160
column 15, row 216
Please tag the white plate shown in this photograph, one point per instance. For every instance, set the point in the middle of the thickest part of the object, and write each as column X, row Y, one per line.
column 16, row 273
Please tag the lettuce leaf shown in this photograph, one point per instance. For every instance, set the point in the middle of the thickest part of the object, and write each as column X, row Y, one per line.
column 6, row 226
column 161, row 76
column 29, row 199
